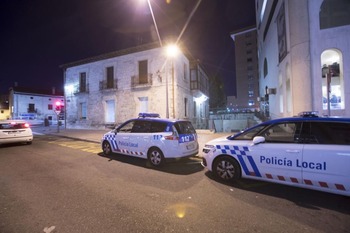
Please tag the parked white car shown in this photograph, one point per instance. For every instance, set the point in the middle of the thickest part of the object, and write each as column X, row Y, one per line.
column 15, row 131
column 152, row 138
column 306, row 151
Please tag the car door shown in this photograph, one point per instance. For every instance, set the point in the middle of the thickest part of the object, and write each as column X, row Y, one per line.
column 276, row 158
column 122, row 137
column 326, row 157
column 140, row 139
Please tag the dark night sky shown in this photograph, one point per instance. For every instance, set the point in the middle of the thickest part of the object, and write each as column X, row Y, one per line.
column 39, row 35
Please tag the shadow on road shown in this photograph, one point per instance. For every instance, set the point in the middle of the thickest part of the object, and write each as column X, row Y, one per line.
column 304, row 198
column 184, row 166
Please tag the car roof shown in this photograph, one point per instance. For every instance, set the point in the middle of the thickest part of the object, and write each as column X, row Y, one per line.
column 308, row 119
column 166, row 120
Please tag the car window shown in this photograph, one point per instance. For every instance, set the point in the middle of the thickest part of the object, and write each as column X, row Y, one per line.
column 249, row 134
column 282, row 132
column 141, row 126
column 12, row 126
column 157, row 126
column 184, row 127
column 127, row 127
column 329, row 133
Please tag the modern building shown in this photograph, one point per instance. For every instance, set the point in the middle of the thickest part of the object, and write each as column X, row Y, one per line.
column 247, row 78
column 30, row 104
column 303, row 49
column 113, row 87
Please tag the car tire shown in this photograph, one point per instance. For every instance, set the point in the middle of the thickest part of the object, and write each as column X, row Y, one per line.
column 226, row 169
column 155, row 157
column 106, row 148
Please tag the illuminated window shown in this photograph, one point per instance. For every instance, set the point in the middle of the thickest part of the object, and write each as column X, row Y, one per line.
column 331, row 61
column 83, row 113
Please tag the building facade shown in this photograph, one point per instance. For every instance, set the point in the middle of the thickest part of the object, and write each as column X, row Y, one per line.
column 303, row 49
column 111, row 88
column 4, row 107
column 29, row 104
column 247, row 78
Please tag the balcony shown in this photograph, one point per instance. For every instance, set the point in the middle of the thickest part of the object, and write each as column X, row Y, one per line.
column 81, row 89
column 105, row 85
column 141, row 81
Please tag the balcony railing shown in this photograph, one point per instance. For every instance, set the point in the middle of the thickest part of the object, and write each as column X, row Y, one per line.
column 105, row 85
column 81, row 89
column 140, row 81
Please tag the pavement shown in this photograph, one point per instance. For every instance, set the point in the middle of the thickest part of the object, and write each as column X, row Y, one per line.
column 95, row 135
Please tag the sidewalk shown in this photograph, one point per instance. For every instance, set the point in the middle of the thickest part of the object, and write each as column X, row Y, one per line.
column 95, row 135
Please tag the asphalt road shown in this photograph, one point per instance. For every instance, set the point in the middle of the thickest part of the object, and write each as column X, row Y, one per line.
column 65, row 185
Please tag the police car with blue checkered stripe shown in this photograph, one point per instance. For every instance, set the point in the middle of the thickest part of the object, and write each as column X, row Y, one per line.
column 152, row 138
column 305, row 151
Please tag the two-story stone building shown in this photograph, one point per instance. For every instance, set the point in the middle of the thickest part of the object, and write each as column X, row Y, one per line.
column 113, row 87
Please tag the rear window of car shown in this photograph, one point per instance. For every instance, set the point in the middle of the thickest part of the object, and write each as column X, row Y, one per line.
column 12, row 125
column 336, row 133
column 184, row 127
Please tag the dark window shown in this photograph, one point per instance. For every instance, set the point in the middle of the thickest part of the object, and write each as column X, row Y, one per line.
column 184, row 127
column 266, row 69
column 334, row 13
column 141, row 126
column 185, row 102
column 281, row 133
column 158, row 126
column 110, row 77
column 337, row 133
column 82, row 82
column 126, row 127
column 31, row 108
column 49, row 107
column 143, row 71
column 13, row 126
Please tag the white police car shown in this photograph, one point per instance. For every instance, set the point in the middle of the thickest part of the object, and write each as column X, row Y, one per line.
column 15, row 131
column 152, row 138
column 306, row 151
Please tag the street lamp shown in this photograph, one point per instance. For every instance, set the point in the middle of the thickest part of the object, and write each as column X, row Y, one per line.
column 172, row 51
column 328, row 74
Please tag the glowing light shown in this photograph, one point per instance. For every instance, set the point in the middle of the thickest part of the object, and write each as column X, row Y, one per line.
column 181, row 209
column 172, row 50
column 201, row 99
column 69, row 88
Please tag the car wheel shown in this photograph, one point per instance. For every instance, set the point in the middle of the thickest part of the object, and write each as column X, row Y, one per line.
column 29, row 143
column 155, row 157
column 227, row 169
column 106, row 147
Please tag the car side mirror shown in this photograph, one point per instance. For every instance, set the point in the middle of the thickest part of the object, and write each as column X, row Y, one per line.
column 258, row 140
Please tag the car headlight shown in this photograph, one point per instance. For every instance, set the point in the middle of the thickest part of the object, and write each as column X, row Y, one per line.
column 208, row 148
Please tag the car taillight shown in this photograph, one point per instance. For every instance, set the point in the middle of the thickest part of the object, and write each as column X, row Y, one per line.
column 26, row 125
column 171, row 137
